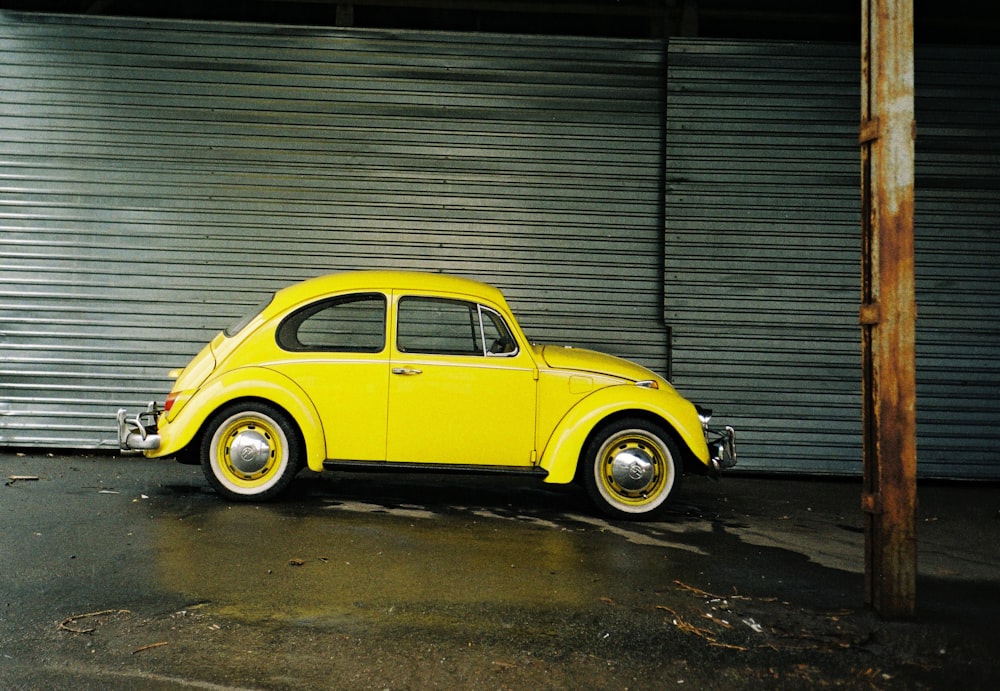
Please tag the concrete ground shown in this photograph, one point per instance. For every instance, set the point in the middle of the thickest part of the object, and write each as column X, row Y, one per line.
column 132, row 573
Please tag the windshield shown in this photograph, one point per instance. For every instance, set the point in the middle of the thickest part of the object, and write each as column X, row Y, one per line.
column 241, row 324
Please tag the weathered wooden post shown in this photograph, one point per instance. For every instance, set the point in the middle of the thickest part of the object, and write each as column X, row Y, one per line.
column 888, row 306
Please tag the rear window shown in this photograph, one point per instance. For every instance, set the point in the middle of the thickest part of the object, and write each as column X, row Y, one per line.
column 242, row 323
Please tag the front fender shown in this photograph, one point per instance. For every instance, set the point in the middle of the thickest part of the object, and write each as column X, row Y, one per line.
column 562, row 452
column 246, row 382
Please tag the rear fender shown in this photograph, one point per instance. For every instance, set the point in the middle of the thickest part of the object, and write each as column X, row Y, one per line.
column 562, row 453
column 246, row 383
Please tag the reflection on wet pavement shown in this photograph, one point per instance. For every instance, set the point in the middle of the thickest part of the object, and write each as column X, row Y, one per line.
column 330, row 560
column 405, row 582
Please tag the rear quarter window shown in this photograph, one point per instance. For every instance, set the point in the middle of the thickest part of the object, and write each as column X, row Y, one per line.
column 346, row 324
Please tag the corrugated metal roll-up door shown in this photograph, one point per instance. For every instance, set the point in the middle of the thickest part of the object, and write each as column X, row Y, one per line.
column 762, row 249
column 762, row 273
column 958, row 261
column 161, row 177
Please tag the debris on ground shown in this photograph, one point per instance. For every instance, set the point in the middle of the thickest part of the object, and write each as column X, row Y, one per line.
column 64, row 625
column 819, row 632
column 11, row 479
column 150, row 646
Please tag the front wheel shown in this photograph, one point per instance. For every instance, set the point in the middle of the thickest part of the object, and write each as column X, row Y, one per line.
column 631, row 468
column 250, row 451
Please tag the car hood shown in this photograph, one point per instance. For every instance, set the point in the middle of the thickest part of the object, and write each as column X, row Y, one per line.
column 578, row 359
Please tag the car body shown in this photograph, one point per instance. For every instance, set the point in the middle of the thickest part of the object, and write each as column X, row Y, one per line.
column 405, row 370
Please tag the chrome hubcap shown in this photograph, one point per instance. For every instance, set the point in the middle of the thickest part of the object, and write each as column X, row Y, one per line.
column 633, row 469
column 249, row 451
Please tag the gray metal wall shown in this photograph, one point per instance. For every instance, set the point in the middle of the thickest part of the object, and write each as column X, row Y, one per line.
column 159, row 177
column 958, row 261
column 762, row 269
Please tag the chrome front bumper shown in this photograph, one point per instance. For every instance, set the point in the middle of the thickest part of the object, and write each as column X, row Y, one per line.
column 722, row 448
column 139, row 433
column 721, row 444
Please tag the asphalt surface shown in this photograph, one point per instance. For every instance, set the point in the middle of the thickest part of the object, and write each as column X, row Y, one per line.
column 131, row 573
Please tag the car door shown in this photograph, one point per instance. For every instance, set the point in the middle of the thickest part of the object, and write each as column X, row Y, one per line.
column 336, row 350
column 461, row 388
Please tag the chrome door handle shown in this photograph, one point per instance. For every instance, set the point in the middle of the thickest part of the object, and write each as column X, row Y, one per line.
column 406, row 371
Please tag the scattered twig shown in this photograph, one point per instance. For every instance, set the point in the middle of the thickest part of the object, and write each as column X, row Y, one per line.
column 11, row 479
column 151, row 646
column 64, row 625
column 775, row 639
column 728, row 646
column 701, row 593
column 704, row 634
column 721, row 622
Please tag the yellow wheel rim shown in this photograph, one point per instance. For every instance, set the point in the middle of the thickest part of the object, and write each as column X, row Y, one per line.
column 248, row 450
column 634, row 471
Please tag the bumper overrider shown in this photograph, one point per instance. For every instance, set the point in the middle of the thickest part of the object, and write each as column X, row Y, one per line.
column 721, row 444
column 139, row 433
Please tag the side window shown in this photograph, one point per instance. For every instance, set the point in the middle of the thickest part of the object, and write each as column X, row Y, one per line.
column 451, row 327
column 497, row 336
column 351, row 324
column 443, row 327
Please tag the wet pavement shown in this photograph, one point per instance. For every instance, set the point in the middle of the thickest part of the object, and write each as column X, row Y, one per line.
column 132, row 573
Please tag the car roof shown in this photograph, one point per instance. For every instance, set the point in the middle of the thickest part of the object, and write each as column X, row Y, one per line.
column 388, row 280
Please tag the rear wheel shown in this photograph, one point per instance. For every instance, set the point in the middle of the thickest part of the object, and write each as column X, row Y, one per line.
column 631, row 469
column 250, row 451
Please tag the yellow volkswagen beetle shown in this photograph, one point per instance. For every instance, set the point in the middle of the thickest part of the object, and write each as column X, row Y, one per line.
column 376, row 369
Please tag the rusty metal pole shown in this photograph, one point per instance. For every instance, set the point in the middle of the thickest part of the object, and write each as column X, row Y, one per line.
column 888, row 307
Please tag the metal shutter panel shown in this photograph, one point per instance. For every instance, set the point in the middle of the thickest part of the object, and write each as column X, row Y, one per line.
column 162, row 176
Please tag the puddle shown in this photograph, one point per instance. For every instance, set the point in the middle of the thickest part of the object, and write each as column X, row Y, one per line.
column 331, row 563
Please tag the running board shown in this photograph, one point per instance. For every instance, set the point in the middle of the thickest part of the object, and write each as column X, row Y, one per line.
column 396, row 467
